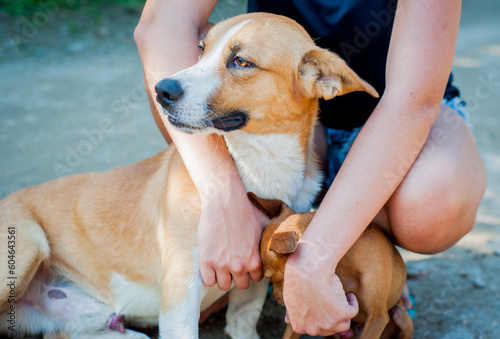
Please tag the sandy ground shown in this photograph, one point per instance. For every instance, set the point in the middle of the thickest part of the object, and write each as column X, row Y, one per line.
column 72, row 100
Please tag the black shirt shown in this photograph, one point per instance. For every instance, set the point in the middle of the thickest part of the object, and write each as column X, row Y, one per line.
column 359, row 31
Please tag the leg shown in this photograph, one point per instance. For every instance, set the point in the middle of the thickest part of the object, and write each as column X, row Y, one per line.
column 244, row 310
column 182, row 292
column 400, row 325
column 24, row 246
column 374, row 325
column 436, row 203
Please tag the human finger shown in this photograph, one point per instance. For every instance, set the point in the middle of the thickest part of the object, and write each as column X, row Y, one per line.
column 255, row 269
column 208, row 275
column 241, row 280
column 223, row 279
column 353, row 307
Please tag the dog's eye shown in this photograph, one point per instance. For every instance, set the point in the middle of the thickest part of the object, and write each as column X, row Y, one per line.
column 201, row 46
column 240, row 62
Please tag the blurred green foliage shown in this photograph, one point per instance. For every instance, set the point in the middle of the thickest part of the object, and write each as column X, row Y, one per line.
column 27, row 7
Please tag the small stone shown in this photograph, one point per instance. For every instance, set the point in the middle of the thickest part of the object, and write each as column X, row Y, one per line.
column 479, row 283
column 416, row 270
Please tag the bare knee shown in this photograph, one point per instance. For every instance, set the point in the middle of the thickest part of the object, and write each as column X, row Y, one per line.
column 431, row 216
column 433, row 234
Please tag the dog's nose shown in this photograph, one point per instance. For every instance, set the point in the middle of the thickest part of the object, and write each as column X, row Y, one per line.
column 167, row 92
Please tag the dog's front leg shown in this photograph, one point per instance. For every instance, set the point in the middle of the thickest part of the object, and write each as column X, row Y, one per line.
column 181, row 293
column 244, row 310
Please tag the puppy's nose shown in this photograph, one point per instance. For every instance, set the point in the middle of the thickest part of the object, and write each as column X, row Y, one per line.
column 168, row 91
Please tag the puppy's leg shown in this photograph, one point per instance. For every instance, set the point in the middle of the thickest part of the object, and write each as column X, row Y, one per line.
column 375, row 324
column 182, row 290
column 244, row 310
column 401, row 323
column 374, row 302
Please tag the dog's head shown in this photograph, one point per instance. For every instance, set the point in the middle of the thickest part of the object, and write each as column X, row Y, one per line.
column 279, row 239
column 256, row 72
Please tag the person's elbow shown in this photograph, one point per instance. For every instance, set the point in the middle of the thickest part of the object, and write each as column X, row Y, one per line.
column 425, row 101
column 141, row 31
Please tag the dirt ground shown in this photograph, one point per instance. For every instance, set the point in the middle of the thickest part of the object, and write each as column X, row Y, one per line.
column 72, row 100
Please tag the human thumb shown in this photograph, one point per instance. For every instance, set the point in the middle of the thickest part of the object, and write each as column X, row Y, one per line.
column 353, row 305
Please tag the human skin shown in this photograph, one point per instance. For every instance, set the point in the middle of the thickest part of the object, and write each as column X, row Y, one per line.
column 414, row 167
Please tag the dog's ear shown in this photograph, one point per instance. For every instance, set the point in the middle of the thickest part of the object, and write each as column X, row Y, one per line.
column 325, row 75
column 284, row 242
column 271, row 208
column 287, row 234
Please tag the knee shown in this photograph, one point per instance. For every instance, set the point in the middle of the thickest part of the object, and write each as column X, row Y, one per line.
column 433, row 235
column 431, row 218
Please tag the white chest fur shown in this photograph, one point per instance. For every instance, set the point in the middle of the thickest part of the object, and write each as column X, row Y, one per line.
column 274, row 166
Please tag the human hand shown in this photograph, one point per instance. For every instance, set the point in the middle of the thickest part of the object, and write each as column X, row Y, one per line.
column 314, row 297
column 228, row 241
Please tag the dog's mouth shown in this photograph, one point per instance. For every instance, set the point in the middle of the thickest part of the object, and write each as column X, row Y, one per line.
column 227, row 123
column 230, row 122
column 182, row 126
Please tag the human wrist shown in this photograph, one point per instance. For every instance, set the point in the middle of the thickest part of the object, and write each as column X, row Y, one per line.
column 313, row 259
column 220, row 187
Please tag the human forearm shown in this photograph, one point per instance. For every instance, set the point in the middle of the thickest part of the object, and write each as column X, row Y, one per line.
column 167, row 38
column 365, row 183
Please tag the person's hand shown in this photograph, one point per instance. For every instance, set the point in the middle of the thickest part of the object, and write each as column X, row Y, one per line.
column 228, row 240
column 315, row 300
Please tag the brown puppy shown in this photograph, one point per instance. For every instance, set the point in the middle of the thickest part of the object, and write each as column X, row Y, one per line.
column 372, row 269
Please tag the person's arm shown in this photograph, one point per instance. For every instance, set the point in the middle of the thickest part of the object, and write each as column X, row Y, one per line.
column 167, row 37
column 420, row 58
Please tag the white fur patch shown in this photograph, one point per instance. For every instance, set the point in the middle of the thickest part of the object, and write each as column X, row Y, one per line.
column 271, row 166
column 133, row 299
column 182, row 320
column 245, row 307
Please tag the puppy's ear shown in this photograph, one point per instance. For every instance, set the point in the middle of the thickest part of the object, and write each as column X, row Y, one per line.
column 325, row 75
column 271, row 208
column 289, row 231
column 284, row 242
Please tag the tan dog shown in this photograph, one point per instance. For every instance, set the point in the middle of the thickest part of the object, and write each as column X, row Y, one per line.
column 83, row 252
column 372, row 269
